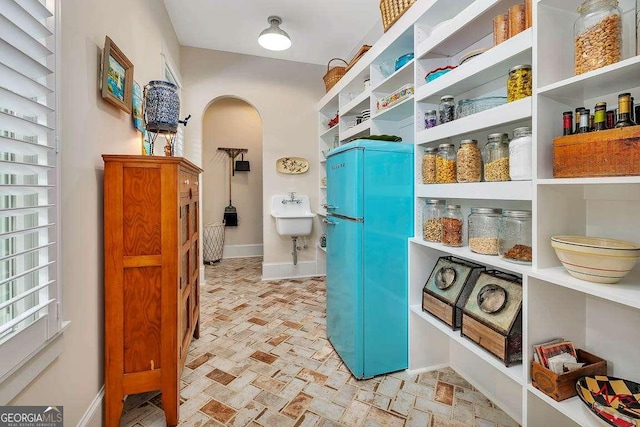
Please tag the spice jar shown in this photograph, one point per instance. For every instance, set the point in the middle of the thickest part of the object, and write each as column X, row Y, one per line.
column 520, row 154
column 447, row 109
column 469, row 161
column 514, row 236
column 430, row 119
column 519, row 82
column 500, row 28
column 597, row 35
column 483, row 230
column 432, row 220
column 517, row 19
column 429, row 165
column 452, row 225
column 496, row 157
column 446, row 164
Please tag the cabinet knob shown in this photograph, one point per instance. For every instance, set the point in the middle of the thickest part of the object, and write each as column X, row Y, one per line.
column 196, row 183
column 186, row 181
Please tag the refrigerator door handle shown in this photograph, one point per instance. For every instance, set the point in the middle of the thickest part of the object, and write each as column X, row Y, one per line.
column 326, row 221
column 327, row 207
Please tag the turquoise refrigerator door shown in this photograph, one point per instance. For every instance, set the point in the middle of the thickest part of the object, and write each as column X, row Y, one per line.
column 344, row 183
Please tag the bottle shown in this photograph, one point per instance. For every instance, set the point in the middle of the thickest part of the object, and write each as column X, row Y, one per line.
column 567, row 123
column 600, row 119
column 624, row 111
column 469, row 161
column 584, row 121
column 520, row 154
column 611, row 119
column 452, row 226
column 578, row 111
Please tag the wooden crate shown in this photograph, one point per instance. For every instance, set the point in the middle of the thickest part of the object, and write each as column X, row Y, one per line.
column 563, row 386
column 613, row 152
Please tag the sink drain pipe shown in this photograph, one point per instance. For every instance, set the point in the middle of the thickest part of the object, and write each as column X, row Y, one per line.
column 294, row 240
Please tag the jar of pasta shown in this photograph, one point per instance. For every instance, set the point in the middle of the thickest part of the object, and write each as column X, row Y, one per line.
column 469, row 161
column 446, row 164
column 496, row 157
column 519, row 82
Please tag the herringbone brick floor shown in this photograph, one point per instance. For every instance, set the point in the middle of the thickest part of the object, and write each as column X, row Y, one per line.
column 263, row 359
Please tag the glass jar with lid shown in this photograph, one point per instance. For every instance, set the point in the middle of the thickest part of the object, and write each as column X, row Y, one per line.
column 452, row 226
column 447, row 109
column 429, row 165
column 496, row 157
column 469, row 161
column 519, row 82
column 597, row 35
column 514, row 241
column 446, row 164
column 482, row 224
column 430, row 119
column 432, row 220
column 520, row 154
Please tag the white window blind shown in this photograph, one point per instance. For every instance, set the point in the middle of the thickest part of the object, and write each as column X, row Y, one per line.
column 29, row 289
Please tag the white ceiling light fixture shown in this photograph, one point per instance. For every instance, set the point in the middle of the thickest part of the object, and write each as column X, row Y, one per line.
column 274, row 38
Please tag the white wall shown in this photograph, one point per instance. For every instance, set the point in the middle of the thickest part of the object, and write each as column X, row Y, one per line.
column 90, row 127
column 285, row 94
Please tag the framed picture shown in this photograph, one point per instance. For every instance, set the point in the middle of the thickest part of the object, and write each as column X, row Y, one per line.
column 136, row 106
column 117, row 76
column 146, row 143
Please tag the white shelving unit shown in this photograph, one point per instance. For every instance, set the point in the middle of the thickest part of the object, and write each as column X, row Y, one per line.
column 601, row 319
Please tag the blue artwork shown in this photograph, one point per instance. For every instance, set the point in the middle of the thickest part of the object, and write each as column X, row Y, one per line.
column 115, row 79
column 138, row 121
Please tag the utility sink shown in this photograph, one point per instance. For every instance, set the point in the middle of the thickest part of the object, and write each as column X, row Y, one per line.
column 293, row 214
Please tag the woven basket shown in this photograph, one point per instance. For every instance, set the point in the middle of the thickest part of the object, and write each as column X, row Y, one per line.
column 334, row 74
column 392, row 10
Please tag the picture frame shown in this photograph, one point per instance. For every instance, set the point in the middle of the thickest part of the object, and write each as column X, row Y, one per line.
column 117, row 76
column 137, row 108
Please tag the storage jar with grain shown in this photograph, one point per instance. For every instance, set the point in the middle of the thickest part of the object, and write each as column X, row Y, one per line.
column 597, row 35
column 514, row 241
column 452, row 226
column 519, row 82
column 483, row 230
column 469, row 161
column 432, row 220
column 517, row 19
column 446, row 164
column 429, row 165
column 500, row 28
column 496, row 157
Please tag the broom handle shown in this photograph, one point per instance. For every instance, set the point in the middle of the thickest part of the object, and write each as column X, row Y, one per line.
column 230, row 167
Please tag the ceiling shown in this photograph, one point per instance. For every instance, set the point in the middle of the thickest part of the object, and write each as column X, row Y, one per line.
column 319, row 30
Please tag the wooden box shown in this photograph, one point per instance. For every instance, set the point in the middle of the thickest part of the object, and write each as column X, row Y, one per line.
column 613, row 152
column 492, row 315
column 448, row 287
column 563, row 386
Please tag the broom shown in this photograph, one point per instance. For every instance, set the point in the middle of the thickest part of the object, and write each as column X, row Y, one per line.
column 230, row 213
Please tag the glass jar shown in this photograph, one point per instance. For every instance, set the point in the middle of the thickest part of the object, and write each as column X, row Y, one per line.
column 514, row 236
column 517, row 19
column 469, row 161
column 452, row 226
column 446, row 164
column 496, row 157
column 430, row 119
column 519, row 82
column 429, row 165
column 483, row 230
column 520, row 154
column 501, row 28
column 432, row 220
column 597, row 35
column 447, row 109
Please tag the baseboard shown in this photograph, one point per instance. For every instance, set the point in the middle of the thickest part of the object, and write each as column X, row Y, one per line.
column 427, row 369
column 286, row 270
column 93, row 416
column 242, row 251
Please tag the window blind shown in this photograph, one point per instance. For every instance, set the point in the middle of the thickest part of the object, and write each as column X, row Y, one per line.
column 29, row 293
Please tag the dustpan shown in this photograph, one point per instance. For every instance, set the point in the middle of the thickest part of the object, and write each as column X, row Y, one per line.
column 230, row 212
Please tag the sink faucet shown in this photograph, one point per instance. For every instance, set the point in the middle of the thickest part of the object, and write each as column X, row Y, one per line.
column 292, row 199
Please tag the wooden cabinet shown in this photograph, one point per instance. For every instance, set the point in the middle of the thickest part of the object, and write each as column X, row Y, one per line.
column 151, row 272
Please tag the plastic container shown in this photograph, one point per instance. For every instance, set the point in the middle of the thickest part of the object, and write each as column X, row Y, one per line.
column 447, row 109
column 432, row 220
column 399, row 95
column 452, row 226
column 469, row 161
column 467, row 107
column 403, row 60
column 387, row 67
column 483, row 225
column 519, row 82
column 429, row 165
column 514, row 241
column 496, row 157
column 597, row 35
column 520, row 154
column 446, row 164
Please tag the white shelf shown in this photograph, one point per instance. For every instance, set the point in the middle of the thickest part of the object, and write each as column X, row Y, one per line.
column 323, row 161
column 323, row 187
column 359, row 130
column 504, row 114
column 466, row 253
column 322, row 249
column 506, row 190
column 614, row 78
column 331, row 131
column 625, row 292
column 491, row 65
column 572, row 408
column 515, row 372
column 399, row 111
column 356, row 105
column 590, row 181
column 399, row 78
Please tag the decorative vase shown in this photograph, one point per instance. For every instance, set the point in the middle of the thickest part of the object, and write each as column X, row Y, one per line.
column 161, row 107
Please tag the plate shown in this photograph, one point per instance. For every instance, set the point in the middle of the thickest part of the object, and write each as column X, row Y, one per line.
column 292, row 165
column 613, row 400
column 467, row 56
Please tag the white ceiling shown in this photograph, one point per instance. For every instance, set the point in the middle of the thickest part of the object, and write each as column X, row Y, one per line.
column 319, row 30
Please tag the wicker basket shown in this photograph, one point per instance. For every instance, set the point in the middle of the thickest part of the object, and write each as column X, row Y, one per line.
column 334, row 74
column 392, row 10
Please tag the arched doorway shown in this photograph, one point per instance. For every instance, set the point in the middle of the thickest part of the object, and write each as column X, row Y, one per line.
column 234, row 123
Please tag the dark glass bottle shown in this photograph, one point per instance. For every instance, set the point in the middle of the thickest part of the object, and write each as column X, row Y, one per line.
column 584, row 121
column 624, row 111
column 567, row 123
column 600, row 117
column 578, row 111
column 611, row 119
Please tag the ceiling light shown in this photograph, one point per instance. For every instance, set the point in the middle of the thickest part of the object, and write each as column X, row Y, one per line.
column 273, row 38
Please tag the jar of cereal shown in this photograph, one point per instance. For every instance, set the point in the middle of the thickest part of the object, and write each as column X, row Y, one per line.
column 496, row 157
column 446, row 164
column 429, row 165
column 432, row 220
column 483, row 230
column 469, row 161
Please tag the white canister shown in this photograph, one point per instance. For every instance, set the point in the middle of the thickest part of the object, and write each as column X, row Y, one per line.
column 520, row 154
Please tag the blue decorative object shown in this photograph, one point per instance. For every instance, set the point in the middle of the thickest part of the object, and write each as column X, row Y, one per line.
column 404, row 59
column 161, row 107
